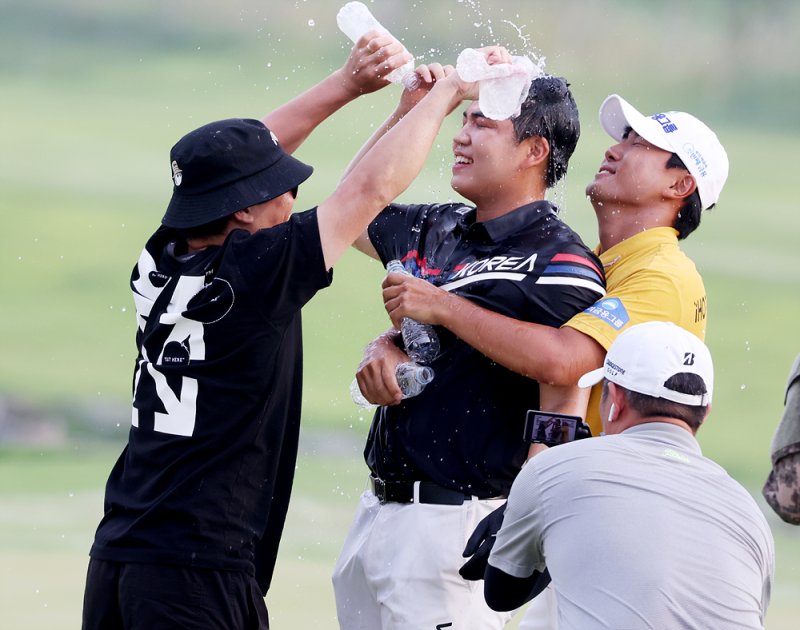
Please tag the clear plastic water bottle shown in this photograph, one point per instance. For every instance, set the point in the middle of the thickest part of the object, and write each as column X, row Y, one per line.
column 420, row 340
column 411, row 377
column 354, row 19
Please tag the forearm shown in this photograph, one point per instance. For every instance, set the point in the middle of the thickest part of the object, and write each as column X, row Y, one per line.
column 558, row 356
column 381, row 131
column 293, row 122
column 782, row 488
column 506, row 592
column 396, row 157
column 386, row 170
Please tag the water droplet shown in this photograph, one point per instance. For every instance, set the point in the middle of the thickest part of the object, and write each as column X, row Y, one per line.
column 312, row 23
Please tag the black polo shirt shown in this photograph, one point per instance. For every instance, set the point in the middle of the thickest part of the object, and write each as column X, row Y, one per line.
column 205, row 478
column 465, row 430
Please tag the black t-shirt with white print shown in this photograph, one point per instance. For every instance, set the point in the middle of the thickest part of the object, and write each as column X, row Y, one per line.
column 205, row 478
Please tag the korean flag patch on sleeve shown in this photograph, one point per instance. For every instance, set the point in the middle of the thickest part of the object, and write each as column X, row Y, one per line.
column 611, row 311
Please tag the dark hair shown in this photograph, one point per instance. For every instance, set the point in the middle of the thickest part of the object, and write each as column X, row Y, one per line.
column 689, row 214
column 683, row 382
column 212, row 228
column 551, row 113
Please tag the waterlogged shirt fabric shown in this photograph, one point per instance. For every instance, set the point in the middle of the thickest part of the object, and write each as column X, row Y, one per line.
column 639, row 530
column 206, row 476
column 465, row 430
column 648, row 277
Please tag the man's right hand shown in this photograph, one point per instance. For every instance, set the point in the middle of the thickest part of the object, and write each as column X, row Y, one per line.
column 426, row 77
column 376, row 373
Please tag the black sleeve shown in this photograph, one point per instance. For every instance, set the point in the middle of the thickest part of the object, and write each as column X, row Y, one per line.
column 395, row 231
column 571, row 280
column 505, row 592
column 285, row 263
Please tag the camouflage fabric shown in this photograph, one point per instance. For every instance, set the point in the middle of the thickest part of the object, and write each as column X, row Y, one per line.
column 782, row 488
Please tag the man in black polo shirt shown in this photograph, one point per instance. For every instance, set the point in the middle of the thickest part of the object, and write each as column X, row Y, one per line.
column 442, row 460
column 196, row 503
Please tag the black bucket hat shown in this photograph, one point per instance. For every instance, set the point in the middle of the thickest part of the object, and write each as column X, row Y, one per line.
column 226, row 166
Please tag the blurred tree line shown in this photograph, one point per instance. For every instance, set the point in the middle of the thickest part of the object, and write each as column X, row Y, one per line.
column 740, row 58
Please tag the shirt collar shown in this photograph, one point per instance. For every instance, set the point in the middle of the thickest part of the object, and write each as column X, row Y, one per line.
column 502, row 227
column 668, row 434
column 652, row 237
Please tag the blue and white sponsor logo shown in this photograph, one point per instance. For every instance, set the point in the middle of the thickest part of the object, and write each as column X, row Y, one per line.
column 611, row 311
column 666, row 124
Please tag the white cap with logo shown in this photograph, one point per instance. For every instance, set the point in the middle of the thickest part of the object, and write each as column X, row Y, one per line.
column 676, row 132
column 644, row 357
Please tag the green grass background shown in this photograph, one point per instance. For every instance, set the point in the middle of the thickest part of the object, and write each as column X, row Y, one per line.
column 93, row 95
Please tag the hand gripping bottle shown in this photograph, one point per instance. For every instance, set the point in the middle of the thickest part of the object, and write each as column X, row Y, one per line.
column 354, row 19
column 411, row 377
column 420, row 340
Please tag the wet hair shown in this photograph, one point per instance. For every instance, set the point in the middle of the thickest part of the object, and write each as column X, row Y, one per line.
column 212, row 228
column 683, row 382
column 689, row 214
column 551, row 113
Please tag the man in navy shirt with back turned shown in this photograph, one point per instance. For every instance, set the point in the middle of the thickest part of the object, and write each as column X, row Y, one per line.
column 443, row 460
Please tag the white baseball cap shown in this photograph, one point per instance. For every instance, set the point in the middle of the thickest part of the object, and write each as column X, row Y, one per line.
column 676, row 132
column 645, row 356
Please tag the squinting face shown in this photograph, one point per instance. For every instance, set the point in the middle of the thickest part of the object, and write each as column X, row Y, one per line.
column 486, row 155
column 633, row 172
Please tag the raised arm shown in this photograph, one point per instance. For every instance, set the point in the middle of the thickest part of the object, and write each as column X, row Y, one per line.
column 558, row 356
column 386, row 170
column 372, row 58
column 427, row 76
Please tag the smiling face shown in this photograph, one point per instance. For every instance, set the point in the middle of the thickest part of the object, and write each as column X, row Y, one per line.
column 633, row 173
column 487, row 156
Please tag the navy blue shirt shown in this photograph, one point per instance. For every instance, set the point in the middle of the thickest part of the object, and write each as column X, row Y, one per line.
column 465, row 430
column 205, row 478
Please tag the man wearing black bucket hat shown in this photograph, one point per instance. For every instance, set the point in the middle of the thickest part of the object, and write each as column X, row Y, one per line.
column 195, row 505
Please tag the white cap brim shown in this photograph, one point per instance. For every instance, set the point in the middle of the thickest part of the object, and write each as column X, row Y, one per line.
column 591, row 378
column 617, row 115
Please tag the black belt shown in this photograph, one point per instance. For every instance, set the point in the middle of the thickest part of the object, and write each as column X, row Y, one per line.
column 428, row 492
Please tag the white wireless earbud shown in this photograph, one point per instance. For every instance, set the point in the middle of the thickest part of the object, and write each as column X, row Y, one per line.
column 611, row 411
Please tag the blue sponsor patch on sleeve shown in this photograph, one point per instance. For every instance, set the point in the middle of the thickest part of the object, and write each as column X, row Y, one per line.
column 611, row 311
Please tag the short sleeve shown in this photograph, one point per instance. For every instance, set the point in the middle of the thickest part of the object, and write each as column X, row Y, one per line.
column 518, row 550
column 647, row 295
column 395, row 231
column 571, row 281
column 284, row 265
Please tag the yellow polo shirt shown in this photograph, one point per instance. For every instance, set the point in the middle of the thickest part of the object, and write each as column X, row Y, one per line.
column 648, row 277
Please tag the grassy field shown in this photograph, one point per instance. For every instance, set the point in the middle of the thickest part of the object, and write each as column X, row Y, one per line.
column 94, row 95
column 50, row 502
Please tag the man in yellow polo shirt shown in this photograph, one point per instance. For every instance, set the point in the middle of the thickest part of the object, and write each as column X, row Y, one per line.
column 648, row 277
